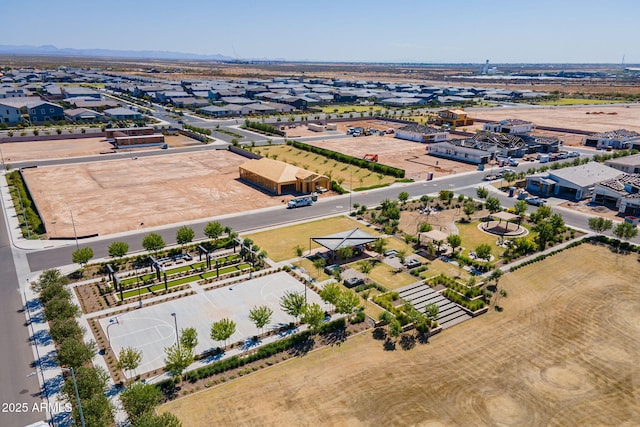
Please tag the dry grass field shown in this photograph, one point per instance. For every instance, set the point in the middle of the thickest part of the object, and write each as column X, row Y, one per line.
column 37, row 150
column 113, row 196
column 564, row 352
column 281, row 243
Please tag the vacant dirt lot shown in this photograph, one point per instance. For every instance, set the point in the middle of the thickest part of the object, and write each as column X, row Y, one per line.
column 113, row 196
column 407, row 155
column 571, row 117
column 36, row 150
column 563, row 352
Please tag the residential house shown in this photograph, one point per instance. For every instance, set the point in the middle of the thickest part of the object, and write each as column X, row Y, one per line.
column 573, row 183
column 9, row 114
column 621, row 193
column 78, row 91
column 627, row 164
column 42, row 111
column 421, row 133
column 460, row 150
column 616, row 139
column 83, row 115
column 121, row 113
column 455, row 118
column 512, row 126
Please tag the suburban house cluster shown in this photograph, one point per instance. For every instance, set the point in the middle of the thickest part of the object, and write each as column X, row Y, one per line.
column 620, row 139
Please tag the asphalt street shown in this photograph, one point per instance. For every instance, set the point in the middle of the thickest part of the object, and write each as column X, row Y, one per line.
column 16, row 357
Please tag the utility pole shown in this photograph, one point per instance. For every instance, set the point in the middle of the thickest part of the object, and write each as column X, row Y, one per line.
column 75, row 235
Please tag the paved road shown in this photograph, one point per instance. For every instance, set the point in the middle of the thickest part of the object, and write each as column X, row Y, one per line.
column 16, row 356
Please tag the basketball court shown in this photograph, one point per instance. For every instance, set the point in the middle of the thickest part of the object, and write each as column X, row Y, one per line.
column 152, row 329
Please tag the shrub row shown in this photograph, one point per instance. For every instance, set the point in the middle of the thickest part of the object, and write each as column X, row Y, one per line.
column 344, row 158
column 264, row 128
column 472, row 305
column 34, row 222
column 197, row 129
column 478, row 265
column 416, row 271
column 263, row 352
column 369, row 286
column 337, row 188
column 467, row 291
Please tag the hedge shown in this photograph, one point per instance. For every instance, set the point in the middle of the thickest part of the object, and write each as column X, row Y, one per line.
column 344, row 158
column 263, row 352
column 472, row 305
column 557, row 251
column 264, row 128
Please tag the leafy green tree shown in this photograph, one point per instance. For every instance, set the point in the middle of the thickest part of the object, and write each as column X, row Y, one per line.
column 60, row 309
column 469, row 208
column 313, row 315
column 54, row 291
column 82, row 256
column 625, row 231
column 446, row 195
column 425, row 227
column 482, row 192
column 153, row 242
column 395, row 329
column 177, row 359
column 455, row 241
column 543, row 212
column 139, row 399
column 520, row 207
column 545, row 235
column 189, row 338
column 166, row 419
column 213, row 230
column 319, row 263
column 432, row 311
column 483, row 251
column 65, row 329
column 49, row 277
column 403, row 196
column 92, row 389
column 293, row 304
column 385, row 317
column 75, row 353
column 600, row 225
column 118, row 249
column 493, row 204
column 223, row 329
column 379, row 246
column 260, row 316
column 366, row 267
column 495, row 275
column 330, row 293
column 185, row 235
column 347, row 302
column 129, row 359
column 557, row 222
column 345, row 252
column 402, row 256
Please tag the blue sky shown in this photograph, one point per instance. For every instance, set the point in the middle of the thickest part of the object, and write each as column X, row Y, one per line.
column 467, row 31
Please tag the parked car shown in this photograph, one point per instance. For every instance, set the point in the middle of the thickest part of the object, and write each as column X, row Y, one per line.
column 412, row 263
column 535, row 201
column 574, row 154
column 352, row 282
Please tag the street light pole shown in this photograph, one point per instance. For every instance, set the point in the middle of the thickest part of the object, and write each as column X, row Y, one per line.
column 175, row 321
column 350, row 188
column 113, row 321
column 75, row 388
column 75, row 235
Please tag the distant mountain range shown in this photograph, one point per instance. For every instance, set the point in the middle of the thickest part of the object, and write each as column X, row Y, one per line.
column 145, row 54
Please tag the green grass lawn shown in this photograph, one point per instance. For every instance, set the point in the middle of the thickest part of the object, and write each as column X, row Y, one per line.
column 472, row 237
column 437, row 267
column 307, row 264
column 191, row 267
column 387, row 276
column 280, row 243
column 348, row 176
column 578, row 101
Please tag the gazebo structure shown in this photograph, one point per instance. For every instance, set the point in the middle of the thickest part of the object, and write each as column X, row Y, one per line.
column 436, row 236
column 333, row 242
column 500, row 229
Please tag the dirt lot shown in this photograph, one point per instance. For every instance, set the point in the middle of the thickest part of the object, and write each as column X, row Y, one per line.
column 563, row 352
column 35, row 150
column 599, row 119
column 113, row 196
column 38, row 150
column 407, row 155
